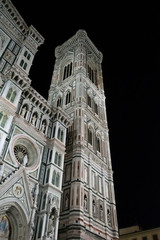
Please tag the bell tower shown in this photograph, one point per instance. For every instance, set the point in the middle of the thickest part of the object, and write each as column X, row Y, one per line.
column 88, row 208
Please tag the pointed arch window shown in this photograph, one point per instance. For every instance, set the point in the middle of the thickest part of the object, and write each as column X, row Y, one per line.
column 59, row 102
column 90, row 136
column 47, row 177
column 67, row 71
column 98, row 145
column 11, row 95
column 88, row 100
column 3, row 119
column 68, row 98
column 96, row 108
column 60, row 134
column 57, row 159
column 56, row 178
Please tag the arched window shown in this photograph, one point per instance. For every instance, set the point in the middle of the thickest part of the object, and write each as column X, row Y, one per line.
column 59, row 102
column 44, row 201
column 90, row 136
column 21, row 63
column 40, row 227
column 3, row 120
column 54, row 130
column 29, row 56
column 25, row 66
column 1, row 115
column 47, row 177
column 54, row 177
column 60, row 135
column 57, row 159
column 89, row 100
column 67, row 71
column 98, row 148
column 9, row 93
column 68, row 98
column 25, row 53
column 13, row 96
column 57, row 179
column 96, row 108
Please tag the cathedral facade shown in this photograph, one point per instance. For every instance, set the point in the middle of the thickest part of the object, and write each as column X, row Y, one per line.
column 56, row 178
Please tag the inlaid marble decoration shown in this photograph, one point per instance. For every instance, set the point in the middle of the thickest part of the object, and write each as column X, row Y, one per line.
column 4, row 40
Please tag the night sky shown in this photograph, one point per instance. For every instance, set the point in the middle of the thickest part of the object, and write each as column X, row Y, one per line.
column 128, row 35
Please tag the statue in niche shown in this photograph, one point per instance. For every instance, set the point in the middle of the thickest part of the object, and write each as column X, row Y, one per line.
column 34, row 120
column 51, row 226
column 85, row 202
column 24, row 110
column 43, row 127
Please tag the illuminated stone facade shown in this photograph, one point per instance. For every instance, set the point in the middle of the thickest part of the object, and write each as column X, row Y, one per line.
column 56, row 179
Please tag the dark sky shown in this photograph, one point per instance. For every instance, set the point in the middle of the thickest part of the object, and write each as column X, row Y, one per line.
column 128, row 35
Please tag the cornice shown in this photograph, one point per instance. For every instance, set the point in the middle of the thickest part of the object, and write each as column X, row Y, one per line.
column 80, row 36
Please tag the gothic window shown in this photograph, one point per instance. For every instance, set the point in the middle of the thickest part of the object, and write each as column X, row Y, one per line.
column 47, row 177
column 60, row 135
column 25, row 66
column 59, row 102
column 44, row 201
column 90, row 74
column 57, row 159
column 57, row 179
column 90, row 135
column 88, row 100
column 11, row 95
column 54, row 130
column 68, row 98
column 98, row 148
column 96, row 108
column 40, row 227
column 3, row 119
column 54, row 177
column 50, row 156
column 67, row 71
column 21, row 63
column 25, row 53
